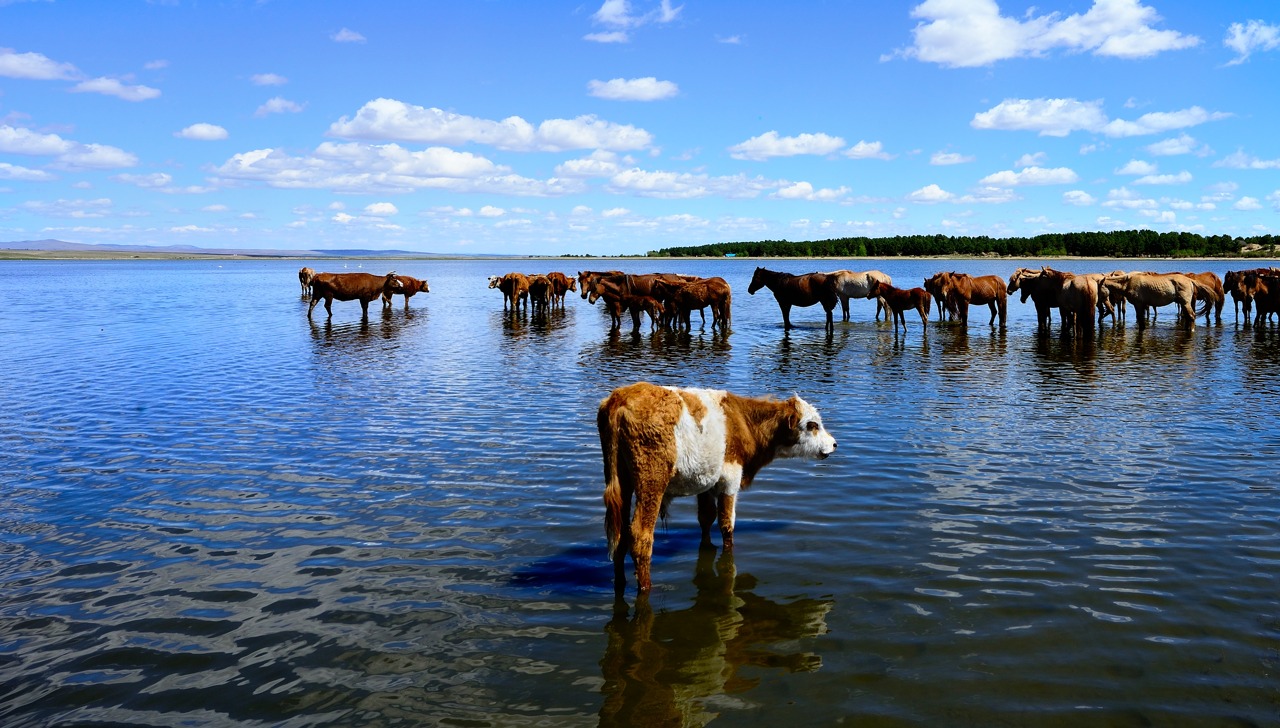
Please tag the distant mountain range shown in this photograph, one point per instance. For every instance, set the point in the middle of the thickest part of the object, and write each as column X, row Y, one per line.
column 62, row 245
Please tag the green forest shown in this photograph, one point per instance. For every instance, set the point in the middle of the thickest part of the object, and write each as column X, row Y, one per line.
column 1117, row 244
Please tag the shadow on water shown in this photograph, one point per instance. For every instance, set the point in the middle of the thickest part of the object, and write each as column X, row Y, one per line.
column 681, row 667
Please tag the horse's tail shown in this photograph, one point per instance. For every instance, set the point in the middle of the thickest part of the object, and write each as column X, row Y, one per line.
column 1207, row 294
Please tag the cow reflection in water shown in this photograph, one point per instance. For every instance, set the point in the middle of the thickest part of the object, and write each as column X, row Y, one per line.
column 677, row 668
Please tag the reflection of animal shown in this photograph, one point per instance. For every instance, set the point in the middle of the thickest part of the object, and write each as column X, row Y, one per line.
column 304, row 277
column 900, row 300
column 349, row 287
column 724, row 641
column 661, row 442
column 797, row 290
column 408, row 286
column 956, row 291
column 1146, row 290
column 850, row 284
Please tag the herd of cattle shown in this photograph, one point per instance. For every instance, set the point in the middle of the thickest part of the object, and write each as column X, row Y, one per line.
column 669, row 299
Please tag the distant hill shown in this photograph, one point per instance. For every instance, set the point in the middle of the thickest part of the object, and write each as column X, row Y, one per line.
column 62, row 245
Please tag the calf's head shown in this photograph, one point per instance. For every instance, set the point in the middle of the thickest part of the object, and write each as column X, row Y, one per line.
column 804, row 435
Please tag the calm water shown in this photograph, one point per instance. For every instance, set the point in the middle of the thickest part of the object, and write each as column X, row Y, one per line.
column 216, row 513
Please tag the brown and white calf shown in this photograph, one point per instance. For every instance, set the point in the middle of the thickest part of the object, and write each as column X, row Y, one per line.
column 662, row 442
column 408, row 286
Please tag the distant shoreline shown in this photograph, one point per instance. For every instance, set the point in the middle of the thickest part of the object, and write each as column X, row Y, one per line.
column 82, row 255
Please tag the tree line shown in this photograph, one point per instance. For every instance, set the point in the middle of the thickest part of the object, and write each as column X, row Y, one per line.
column 1114, row 244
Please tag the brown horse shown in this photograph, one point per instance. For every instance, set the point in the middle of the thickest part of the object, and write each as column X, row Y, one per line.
column 956, row 291
column 901, row 299
column 797, row 290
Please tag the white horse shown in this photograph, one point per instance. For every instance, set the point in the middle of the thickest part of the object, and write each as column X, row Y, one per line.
column 851, row 284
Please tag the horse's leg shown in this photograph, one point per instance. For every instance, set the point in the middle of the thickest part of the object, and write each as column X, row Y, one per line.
column 992, row 306
column 844, row 307
column 962, row 311
column 786, row 314
column 924, row 317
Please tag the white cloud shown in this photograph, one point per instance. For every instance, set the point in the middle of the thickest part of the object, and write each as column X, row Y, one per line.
column 1240, row 160
column 1137, row 166
column 1245, row 38
column 1274, row 199
column 1031, row 176
column 67, row 154
column 1060, row 117
column 215, row 208
column 620, row 18
column 202, row 132
column 113, row 87
column 1079, row 198
column 805, row 191
column 1181, row 144
column 278, row 105
column 346, row 35
column 685, row 185
column 635, row 89
column 34, row 66
column 769, row 145
column 948, row 158
column 1036, row 159
column 368, row 169
column 968, row 33
column 268, row 79
column 390, row 120
column 599, row 164
column 24, row 174
column 343, row 218
column 1182, row 177
column 155, row 180
column 1246, row 204
column 1127, row 199
column 867, row 150
column 491, row 211
column 930, row 194
column 381, row 209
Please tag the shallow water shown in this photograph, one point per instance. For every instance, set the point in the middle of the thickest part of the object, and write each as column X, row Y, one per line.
column 216, row 512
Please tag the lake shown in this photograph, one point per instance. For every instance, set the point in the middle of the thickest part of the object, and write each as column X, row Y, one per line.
column 215, row 512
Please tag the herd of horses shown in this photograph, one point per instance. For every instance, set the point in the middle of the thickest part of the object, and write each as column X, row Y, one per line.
column 669, row 299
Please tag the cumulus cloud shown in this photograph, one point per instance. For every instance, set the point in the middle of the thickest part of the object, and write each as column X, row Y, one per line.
column 1036, row 159
column 278, row 105
column 1247, row 204
column 1031, row 176
column 599, row 164
column 67, row 154
column 635, row 89
column 1060, row 117
column 34, row 66
column 113, row 87
column 805, row 191
column 687, row 185
column 867, row 150
column 1180, row 178
column 381, row 209
column 943, row 159
column 930, row 194
column 268, row 79
column 362, row 168
column 24, row 174
column 1240, row 160
column 1137, row 166
column 1127, row 199
column 1079, row 198
column 1181, row 144
column 619, row 17
column 968, row 33
column 202, row 132
column 346, row 35
column 1245, row 38
column 390, row 120
column 770, row 144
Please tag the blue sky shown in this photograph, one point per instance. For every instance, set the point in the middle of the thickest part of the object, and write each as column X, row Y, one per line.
column 621, row 127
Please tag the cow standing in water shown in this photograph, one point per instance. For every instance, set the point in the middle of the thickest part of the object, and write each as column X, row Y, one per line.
column 363, row 287
column 408, row 286
column 662, row 442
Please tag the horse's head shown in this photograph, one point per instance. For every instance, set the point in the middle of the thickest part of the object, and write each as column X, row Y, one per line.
column 757, row 280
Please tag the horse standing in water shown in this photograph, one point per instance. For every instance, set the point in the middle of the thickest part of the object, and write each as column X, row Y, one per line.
column 798, row 290
column 901, row 299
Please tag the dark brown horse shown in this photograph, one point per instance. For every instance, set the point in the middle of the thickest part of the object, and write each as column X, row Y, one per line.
column 798, row 290
column 901, row 299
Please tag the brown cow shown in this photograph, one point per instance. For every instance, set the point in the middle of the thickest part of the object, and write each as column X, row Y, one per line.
column 514, row 288
column 409, row 286
column 560, row 284
column 660, row 443
column 364, row 287
column 901, row 299
column 539, row 291
column 304, row 277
